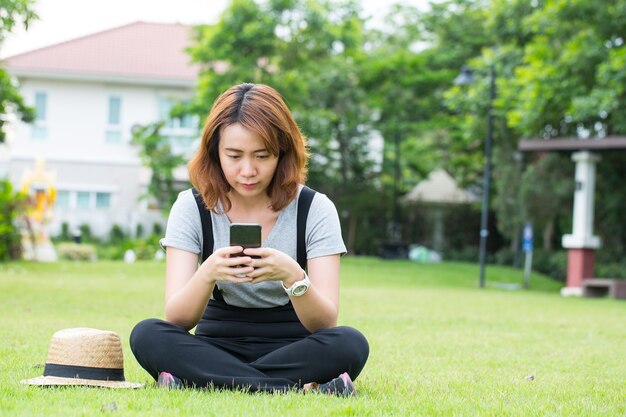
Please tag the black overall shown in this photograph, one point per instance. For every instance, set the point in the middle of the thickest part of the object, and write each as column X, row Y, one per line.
column 260, row 349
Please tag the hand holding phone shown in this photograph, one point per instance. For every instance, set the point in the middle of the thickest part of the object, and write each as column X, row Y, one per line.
column 246, row 235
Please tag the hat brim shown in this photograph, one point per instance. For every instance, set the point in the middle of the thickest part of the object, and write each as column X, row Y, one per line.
column 57, row 381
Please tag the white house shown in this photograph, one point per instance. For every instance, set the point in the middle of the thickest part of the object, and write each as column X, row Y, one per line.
column 89, row 93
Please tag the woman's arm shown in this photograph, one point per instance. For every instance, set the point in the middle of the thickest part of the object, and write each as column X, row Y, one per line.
column 188, row 288
column 319, row 307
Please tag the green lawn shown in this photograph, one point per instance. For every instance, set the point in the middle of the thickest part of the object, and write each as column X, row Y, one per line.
column 439, row 345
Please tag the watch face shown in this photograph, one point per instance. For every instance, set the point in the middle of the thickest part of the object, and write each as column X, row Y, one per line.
column 300, row 289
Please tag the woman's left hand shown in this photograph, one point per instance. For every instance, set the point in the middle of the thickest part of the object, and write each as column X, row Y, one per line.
column 272, row 265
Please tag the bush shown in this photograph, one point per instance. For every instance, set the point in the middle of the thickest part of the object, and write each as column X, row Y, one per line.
column 76, row 252
column 552, row 263
column 611, row 270
column 65, row 232
column 467, row 254
column 12, row 205
column 157, row 229
column 85, row 233
column 144, row 248
column 116, row 235
column 504, row 256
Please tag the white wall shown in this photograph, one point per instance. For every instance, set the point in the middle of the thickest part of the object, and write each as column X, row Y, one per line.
column 76, row 120
column 77, row 151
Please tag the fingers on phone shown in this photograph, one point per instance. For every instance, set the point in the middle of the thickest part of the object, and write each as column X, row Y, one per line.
column 234, row 250
column 239, row 260
column 255, row 252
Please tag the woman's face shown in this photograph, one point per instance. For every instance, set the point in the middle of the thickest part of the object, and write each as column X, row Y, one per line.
column 247, row 165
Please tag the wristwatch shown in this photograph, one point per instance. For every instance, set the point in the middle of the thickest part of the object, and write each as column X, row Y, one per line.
column 299, row 287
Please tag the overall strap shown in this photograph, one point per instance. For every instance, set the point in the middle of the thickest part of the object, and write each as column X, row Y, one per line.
column 207, row 226
column 207, row 235
column 304, row 204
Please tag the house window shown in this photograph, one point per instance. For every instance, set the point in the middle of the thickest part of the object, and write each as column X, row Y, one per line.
column 165, row 108
column 188, row 121
column 39, row 129
column 39, row 132
column 114, row 110
column 63, row 199
column 83, row 199
column 113, row 132
column 40, row 105
column 113, row 136
column 103, row 200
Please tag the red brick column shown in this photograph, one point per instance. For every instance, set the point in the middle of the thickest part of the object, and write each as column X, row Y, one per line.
column 580, row 265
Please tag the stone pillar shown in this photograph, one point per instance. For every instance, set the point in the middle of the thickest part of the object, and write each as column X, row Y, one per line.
column 581, row 244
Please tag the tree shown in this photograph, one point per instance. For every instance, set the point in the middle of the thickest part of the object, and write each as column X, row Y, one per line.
column 569, row 81
column 12, row 206
column 156, row 154
column 560, row 73
column 12, row 14
column 312, row 53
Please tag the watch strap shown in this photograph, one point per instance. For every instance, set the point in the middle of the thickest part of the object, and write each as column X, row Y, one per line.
column 303, row 282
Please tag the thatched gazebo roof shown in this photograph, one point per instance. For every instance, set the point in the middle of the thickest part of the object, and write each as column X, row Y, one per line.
column 438, row 188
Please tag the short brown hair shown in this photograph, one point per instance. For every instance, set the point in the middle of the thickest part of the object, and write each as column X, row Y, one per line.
column 260, row 109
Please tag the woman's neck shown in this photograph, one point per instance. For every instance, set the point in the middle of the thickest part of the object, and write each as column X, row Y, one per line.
column 249, row 208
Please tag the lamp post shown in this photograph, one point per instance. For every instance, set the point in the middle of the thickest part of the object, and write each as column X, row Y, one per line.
column 465, row 78
column 395, row 233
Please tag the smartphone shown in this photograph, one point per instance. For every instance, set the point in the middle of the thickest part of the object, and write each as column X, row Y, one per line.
column 247, row 235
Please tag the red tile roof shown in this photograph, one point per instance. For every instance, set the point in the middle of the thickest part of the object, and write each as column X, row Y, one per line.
column 139, row 49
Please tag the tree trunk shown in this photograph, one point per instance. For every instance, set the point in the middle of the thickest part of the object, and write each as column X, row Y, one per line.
column 352, row 233
column 343, row 151
column 548, row 233
column 515, row 247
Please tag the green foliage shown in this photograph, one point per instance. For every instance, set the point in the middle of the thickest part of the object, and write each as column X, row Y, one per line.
column 313, row 54
column 13, row 13
column 145, row 249
column 546, row 189
column 116, row 235
column 85, row 234
column 609, row 206
column 65, row 232
column 569, row 80
column 12, row 206
column 155, row 151
column 560, row 71
column 157, row 229
column 611, row 270
column 552, row 263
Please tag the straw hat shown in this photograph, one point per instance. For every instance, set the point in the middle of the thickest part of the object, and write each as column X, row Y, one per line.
column 84, row 356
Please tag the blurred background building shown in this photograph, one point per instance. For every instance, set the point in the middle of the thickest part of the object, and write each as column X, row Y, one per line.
column 89, row 93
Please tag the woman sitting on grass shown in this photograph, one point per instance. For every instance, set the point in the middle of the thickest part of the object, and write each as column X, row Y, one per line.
column 261, row 323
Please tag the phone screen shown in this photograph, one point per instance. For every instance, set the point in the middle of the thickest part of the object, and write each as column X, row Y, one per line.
column 247, row 235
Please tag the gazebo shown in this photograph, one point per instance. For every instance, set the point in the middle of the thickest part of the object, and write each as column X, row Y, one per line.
column 436, row 193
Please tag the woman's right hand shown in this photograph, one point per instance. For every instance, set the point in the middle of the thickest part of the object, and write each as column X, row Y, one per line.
column 189, row 287
column 223, row 266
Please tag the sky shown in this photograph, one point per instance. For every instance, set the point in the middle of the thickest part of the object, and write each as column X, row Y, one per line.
column 61, row 20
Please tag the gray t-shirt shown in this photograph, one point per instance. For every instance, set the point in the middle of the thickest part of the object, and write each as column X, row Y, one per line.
column 323, row 237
